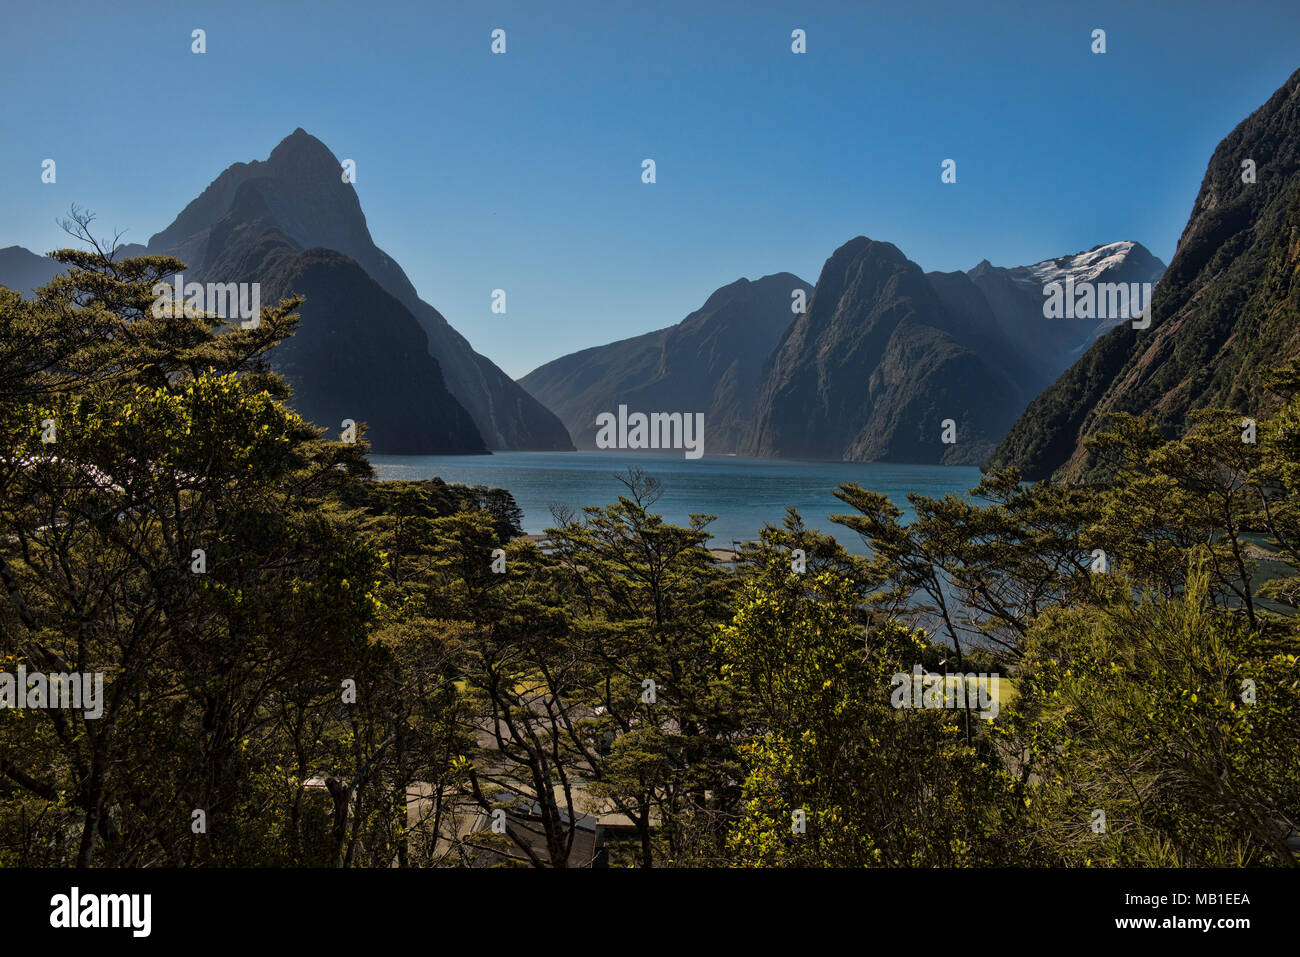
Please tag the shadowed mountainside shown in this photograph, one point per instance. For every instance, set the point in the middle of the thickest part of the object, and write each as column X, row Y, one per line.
column 709, row 362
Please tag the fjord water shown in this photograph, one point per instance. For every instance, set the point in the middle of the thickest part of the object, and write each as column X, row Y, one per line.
column 743, row 493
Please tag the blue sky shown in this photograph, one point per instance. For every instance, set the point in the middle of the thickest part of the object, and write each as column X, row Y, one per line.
column 523, row 171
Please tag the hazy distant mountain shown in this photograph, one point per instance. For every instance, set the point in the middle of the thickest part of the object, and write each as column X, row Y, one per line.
column 22, row 270
column 883, row 355
column 1016, row 298
column 359, row 353
column 1228, row 306
column 709, row 362
column 302, row 194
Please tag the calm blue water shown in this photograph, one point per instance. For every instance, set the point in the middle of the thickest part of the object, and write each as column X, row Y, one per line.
column 744, row 493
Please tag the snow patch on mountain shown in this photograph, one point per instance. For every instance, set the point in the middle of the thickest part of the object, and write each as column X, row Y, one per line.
column 1087, row 266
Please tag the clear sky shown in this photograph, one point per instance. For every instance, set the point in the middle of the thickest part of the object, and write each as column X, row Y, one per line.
column 522, row 171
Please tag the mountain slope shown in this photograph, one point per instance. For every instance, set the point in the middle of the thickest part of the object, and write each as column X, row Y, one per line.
column 709, row 362
column 883, row 356
column 362, row 357
column 303, row 194
column 358, row 353
column 22, row 270
column 1225, row 308
column 1015, row 296
column 878, row 362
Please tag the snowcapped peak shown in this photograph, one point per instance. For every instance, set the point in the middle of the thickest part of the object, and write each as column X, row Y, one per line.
column 1090, row 265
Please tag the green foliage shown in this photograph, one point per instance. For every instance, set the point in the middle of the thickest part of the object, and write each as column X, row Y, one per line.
column 344, row 672
column 1141, row 709
column 876, row 785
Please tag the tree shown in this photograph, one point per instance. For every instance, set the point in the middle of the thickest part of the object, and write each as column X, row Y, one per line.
column 834, row 774
column 1168, row 715
column 647, row 594
column 173, row 532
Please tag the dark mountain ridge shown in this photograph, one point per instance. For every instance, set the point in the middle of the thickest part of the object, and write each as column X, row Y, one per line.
column 709, row 362
column 301, row 193
column 882, row 356
column 876, row 364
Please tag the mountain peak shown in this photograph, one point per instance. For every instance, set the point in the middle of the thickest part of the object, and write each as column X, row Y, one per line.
column 872, row 250
column 298, row 187
column 300, row 149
